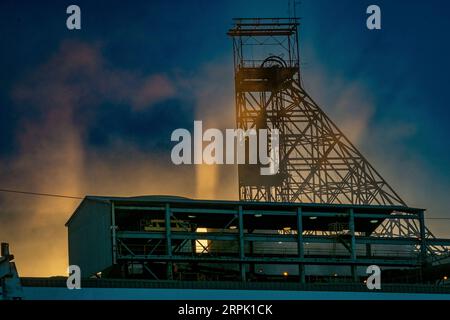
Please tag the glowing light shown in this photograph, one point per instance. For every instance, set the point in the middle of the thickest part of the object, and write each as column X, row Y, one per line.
column 285, row 273
column 258, row 215
column 373, row 221
column 233, row 227
column 312, row 218
column 201, row 245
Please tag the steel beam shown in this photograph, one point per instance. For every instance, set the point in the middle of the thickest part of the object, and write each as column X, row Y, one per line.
column 275, row 238
column 351, row 224
column 113, row 233
column 423, row 244
column 140, row 208
column 168, row 241
column 385, row 216
column 300, row 247
column 385, row 261
column 241, row 243
column 200, row 210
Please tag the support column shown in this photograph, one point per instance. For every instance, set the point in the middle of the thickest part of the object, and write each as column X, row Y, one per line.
column 252, row 265
column 193, row 242
column 351, row 224
column 368, row 247
column 113, row 233
column 423, row 244
column 241, row 243
column 300, row 245
column 168, row 242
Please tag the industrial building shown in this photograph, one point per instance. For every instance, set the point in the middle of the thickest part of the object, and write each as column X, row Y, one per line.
column 171, row 238
column 323, row 218
column 311, row 229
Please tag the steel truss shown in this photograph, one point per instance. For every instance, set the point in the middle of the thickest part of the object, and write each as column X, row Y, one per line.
column 233, row 235
column 318, row 163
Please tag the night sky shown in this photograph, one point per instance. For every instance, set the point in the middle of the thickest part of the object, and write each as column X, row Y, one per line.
column 91, row 111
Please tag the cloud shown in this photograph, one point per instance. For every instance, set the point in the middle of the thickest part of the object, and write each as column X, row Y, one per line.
column 62, row 101
column 78, row 76
column 155, row 89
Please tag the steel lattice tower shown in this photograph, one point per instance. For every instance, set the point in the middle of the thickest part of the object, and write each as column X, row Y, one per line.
column 318, row 163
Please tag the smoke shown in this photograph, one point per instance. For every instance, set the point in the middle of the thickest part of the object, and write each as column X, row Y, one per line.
column 59, row 99
column 155, row 89
column 62, row 98
column 386, row 141
column 213, row 90
column 349, row 104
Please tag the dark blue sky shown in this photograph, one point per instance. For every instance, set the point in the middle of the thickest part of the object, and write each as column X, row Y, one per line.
column 410, row 54
column 400, row 74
